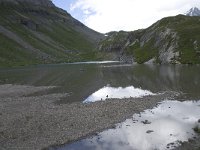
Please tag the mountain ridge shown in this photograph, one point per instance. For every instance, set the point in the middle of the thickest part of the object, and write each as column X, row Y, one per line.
column 37, row 32
column 45, row 3
column 42, row 33
column 173, row 40
column 194, row 11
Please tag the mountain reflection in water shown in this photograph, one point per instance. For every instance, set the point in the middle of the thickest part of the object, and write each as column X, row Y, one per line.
column 82, row 80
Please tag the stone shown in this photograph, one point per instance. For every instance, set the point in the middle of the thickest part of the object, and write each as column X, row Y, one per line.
column 146, row 122
column 149, row 131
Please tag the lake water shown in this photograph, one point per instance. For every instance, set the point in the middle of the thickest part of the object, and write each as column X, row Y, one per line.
column 81, row 81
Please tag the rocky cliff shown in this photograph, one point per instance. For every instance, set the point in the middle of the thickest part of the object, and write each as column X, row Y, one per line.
column 35, row 31
column 193, row 12
column 170, row 40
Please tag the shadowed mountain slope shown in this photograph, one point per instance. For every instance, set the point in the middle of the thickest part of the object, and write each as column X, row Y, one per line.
column 36, row 32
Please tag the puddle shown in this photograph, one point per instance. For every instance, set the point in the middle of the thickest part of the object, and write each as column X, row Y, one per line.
column 111, row 92
column 163, row 127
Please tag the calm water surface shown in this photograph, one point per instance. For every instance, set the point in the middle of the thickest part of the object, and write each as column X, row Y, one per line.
column 83, row 80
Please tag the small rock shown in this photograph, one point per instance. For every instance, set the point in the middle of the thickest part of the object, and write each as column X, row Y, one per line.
column 134, row 121
column 146, row 122
column 190, row 140
column 149, row 131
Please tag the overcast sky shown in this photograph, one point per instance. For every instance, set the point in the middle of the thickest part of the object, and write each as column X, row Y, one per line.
column 128, row 15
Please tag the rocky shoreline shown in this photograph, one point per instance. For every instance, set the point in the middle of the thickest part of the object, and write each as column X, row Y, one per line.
column 37, row 122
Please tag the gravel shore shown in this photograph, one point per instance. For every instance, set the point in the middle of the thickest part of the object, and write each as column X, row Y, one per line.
column 37, row 122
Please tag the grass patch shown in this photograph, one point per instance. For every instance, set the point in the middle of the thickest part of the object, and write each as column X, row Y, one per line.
column 188, row 31
column 114, row 40
column 143, row 53
column 12, row 54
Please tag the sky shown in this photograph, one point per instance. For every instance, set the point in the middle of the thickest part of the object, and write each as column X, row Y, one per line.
column 128, row 15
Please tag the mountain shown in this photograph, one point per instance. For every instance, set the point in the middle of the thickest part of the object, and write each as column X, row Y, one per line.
column 37, row 32
column 170, row 40
column 193, row 12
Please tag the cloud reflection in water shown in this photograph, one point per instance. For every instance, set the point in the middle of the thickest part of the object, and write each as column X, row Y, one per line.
column 160, row 128
column 111, row 92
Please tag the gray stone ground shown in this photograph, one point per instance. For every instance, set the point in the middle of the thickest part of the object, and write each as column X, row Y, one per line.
column 36, row 122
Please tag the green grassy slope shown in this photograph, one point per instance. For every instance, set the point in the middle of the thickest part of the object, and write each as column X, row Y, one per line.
column 188, row 31
column 170, row 40
column 36, row 34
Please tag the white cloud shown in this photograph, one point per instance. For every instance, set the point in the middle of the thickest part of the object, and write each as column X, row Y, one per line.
column 109, row 15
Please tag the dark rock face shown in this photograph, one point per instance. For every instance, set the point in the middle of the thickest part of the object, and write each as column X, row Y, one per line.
column 46, row 3
column 29, row 24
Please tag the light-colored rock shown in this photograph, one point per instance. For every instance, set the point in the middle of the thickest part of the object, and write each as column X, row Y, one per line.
column 151, row 61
